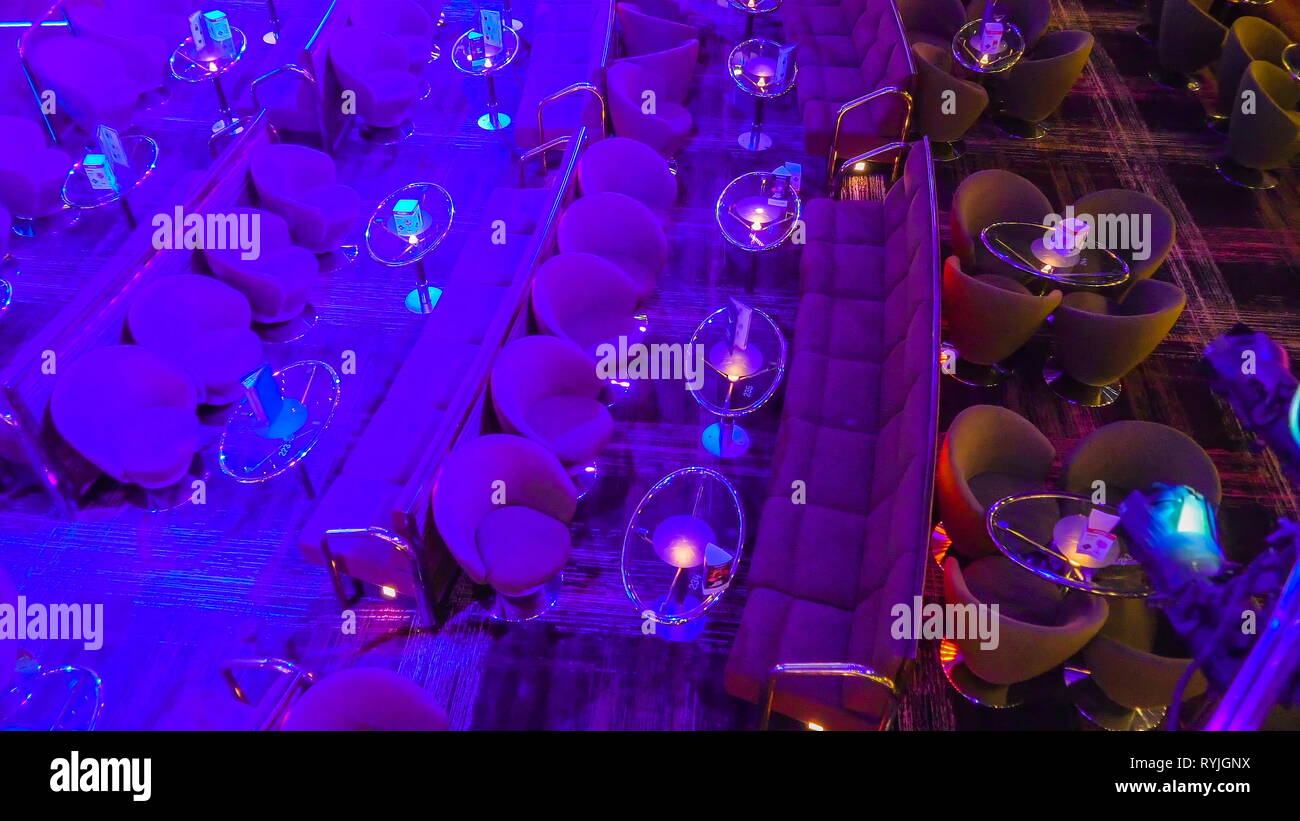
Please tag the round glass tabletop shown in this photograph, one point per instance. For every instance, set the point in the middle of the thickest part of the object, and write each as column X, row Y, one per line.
column 1028, row 247
column 494, row 58
column 1291, row 61
column 757, row 211
column 251, row 450
column 142, row 157
column 1046, row 533
column 753, row 67
column 682, row 548
column 196, row 66
column 967, row 48
column 409, row 224
column 738, row 381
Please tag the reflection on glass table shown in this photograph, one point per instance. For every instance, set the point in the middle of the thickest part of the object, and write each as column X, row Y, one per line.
column 987, row 52
column 406, row 227
column 57, row 698
column 1068, row 540
column 208, row 64
column 753, row 8
column 472, row 55
column 86, row 188
column 744, row 357
column 1053, row 254
column 765, row 70
column 757, row 211
column 265, row 437
column 681, row 550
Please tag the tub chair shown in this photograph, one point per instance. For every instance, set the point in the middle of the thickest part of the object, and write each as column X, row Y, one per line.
column 365, row 698
column 935, row 86
column 1125, row 666
column 675, row 68
column 933, row 22
column 502, row 504
column 31, row 172
column 1098, row 341
column 626, row 166
column 405, row 21
column 1189, row 39
column 642, row 33
column 989, row 317
column 1031, row 90
column 802, row 20
column 278, row 281
column 544, row 388
column 136, row 31
column 621, row 230
column 1133, row 455
column 1249, row 38
column 665, row 126
column 130, row 413
column 1040, row 626
column 986, row 197
column 200, row 325
column 376, row 67
column 1268, row 139
column 1121, row 201
column 585, row 299
column 300, row 184
column 91, row 80
column 988, row 453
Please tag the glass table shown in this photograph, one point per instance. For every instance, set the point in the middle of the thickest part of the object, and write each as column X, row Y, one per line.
column 208, row 64
column 142, row 158
column 495, row 59
column 406, row 227
column 757, row 211
column 1027, row 247
column 1291, row 61
column 754, row 66
column 752, row 9
column 681, row 550
column 255, row 449
column 1043, row 533
column 738, row 378
column 966, row 49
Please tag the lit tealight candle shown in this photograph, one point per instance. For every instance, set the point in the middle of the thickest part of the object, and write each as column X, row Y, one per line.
column 681, row 540
column 736, row 363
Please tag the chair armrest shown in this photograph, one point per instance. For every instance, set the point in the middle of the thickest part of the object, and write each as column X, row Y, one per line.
column 818, row 668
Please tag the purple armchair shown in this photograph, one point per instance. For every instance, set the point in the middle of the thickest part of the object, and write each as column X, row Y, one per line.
column 128, row 412
column 277, row 282
column 642, row 33
column 630, row 167
column 674, row 66
column 545, row 388
column 502, row 504
column 665, row 126
column 299, row 184
column 365, row 698
column 621, row 230
column 375, row 66
column 91, row 80
column 137, row 31
column 31, row 173
column 585, row 299
column 403, row 20
column 200, row 325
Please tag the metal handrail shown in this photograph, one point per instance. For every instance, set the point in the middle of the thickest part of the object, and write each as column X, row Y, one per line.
column 299, row 680
column 305, row 74
column 540, row 150
column 383, row 534
column 861, row 101
column 572, row 88
column 866, row 156
column 819, row 668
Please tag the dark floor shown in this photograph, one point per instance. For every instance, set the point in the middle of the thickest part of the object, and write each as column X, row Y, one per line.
column 186, row 589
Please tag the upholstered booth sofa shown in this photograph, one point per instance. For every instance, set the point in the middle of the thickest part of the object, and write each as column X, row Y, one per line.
column 857, row 437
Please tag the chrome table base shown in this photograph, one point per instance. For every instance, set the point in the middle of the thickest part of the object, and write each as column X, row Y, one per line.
column 1076, row 392
column 1098, row 708
column 1018, row 128
column 528, row 606
column 1244, row 177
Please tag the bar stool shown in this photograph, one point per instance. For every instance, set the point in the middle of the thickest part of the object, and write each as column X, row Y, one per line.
column 1189, row 40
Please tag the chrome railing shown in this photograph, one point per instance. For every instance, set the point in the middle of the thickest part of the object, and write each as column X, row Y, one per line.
column 858, row 102
column 821, row 668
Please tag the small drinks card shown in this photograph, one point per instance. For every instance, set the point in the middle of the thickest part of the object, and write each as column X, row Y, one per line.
column 795, row 171
column 408, row 220
column 784, row 59
column 744, row 316
column 219, row 31
column 990, row 41
column 490, row 22
column 110, row 145
column 197, row 32
column 477, row 49
column 99, row 171
column 717, row 568
column 263, row 394
column 1069, row 235
column 779, row 196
